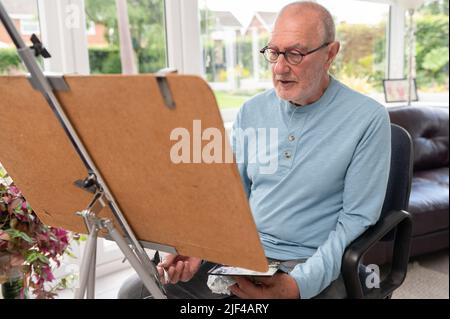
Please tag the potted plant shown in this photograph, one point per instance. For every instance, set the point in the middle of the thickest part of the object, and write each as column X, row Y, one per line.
column 29, row 249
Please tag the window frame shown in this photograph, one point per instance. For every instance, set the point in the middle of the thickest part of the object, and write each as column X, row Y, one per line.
column 184, row 50
column 64, row 36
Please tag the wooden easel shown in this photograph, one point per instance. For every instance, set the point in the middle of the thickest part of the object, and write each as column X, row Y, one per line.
column 115, row 130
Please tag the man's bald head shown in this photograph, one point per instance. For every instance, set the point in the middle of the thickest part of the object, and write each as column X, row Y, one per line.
column 302, row 29
column 313, row 11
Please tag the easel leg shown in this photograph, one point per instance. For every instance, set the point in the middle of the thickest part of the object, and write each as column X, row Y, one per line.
column 87, row 262
column 149, row 282
column 91, row 280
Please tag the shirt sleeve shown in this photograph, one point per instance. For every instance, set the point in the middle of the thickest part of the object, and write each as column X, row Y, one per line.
column 363, row 195
column 239, row 149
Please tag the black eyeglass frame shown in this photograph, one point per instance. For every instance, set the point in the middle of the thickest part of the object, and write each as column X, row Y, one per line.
column 263, row 50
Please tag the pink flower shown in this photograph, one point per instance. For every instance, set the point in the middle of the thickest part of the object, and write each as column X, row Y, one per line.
column 47, row 273
column 14, row 190
column 7, row 199
column 47, row 244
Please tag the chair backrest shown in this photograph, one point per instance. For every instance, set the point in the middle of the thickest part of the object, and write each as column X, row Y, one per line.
column 400, row 175
column 394, row 225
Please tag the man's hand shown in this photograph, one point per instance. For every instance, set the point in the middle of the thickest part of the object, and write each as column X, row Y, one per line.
column 178, row 268
column 279, row 286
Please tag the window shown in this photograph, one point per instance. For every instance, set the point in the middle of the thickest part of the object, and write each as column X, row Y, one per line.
column 24, row 14
column 29, row 26
column 146, row 28
column 431, row 48
column 232, row 33
column 361, row 62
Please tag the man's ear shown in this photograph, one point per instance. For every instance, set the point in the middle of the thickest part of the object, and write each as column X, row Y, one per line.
column 332, row 53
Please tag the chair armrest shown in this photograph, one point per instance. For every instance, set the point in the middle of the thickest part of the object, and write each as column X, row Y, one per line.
column 397, row 220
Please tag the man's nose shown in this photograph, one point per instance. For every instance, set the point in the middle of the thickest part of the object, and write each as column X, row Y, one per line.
column 281, row 66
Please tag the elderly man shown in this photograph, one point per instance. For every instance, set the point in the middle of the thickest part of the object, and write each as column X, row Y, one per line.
column 333, row 158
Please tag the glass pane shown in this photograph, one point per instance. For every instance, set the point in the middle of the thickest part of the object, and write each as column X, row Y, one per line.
column 147, row 28
column 432, row 55
column 361, row 62
column 233, row 32
column 24, row 14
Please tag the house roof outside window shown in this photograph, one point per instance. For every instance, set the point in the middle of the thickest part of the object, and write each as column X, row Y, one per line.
column 226, row 19
column 262, row 20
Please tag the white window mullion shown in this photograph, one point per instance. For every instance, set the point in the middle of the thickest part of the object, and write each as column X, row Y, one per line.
column 396, row 42
column 183, row 36
column 63, row 29
column 174, row 34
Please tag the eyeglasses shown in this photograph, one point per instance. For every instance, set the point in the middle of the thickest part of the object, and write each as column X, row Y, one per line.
column 292, row 56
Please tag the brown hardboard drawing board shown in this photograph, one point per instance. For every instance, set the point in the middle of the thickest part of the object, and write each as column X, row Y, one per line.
column 200, row 209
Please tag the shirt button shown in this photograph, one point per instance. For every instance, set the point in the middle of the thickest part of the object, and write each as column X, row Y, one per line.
column 287, row 154
column 291, row 138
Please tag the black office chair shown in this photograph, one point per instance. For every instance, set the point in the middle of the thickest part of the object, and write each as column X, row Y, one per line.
column 395, row 225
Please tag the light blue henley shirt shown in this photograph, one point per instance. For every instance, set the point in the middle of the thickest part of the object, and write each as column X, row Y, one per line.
column 332, row 161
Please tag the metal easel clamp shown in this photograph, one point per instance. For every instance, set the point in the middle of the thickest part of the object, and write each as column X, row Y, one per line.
column 38, row 47
column 164, row 86
column 57, row 82
column 89, row 184
column 90, row 214
column 94, row 207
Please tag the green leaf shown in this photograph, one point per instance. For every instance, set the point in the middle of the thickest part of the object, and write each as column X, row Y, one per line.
column 69, row 253
column 436, row 59
column 31, row 256
column 43, row 258
column 80, row 238
column 14, row 233
column 34, row 255
column 3, row 173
